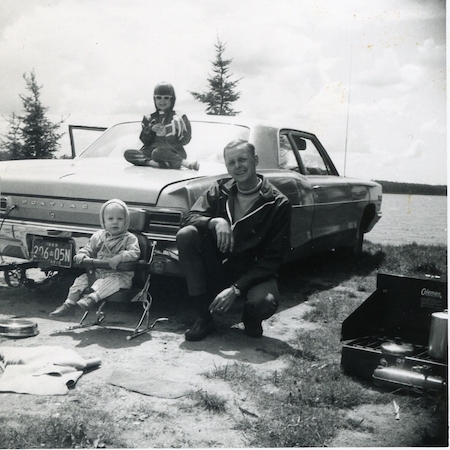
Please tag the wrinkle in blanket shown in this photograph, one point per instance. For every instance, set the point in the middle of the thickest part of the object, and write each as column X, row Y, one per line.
column 45, row 370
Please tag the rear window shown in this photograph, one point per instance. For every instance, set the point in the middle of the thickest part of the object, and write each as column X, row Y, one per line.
column 207, row 143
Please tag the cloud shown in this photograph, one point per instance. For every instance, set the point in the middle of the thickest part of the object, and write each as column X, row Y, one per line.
column 415, row 150
column 299, row 61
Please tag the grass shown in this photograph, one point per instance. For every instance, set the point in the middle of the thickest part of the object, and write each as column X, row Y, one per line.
column 72, row 429
column 301, row 405
column 208, row 401
column 307, row 406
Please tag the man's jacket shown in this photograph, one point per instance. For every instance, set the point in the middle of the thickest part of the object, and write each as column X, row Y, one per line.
column 261, row 237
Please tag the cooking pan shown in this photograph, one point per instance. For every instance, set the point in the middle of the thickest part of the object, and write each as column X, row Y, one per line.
column 397, row 349
column 18, row 328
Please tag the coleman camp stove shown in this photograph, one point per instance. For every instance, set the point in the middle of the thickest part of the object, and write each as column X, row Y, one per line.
column 398, row 336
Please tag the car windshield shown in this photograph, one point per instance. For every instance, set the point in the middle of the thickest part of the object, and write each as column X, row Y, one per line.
column 207, row 143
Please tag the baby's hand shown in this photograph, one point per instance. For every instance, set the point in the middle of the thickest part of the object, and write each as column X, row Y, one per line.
column 114, row 262
column 78, row 258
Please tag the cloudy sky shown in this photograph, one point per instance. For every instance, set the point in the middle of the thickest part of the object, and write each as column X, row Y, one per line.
column 300, row 62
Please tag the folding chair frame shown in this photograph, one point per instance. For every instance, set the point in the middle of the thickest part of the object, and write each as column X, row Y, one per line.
column 142, row 296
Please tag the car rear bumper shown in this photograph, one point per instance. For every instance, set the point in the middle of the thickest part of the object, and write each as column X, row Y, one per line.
column 16, row 242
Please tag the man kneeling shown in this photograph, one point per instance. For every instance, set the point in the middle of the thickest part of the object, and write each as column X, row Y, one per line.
column 232, row 244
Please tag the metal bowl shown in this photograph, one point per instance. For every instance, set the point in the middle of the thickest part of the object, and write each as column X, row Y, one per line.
column 18, row 328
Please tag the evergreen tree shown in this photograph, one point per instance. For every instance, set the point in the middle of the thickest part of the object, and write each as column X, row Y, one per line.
column 11, row 144
column 31, row 135
column 222, row 90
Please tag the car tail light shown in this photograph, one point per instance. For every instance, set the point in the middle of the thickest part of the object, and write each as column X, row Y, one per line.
column 164, row 222
column 3, row 204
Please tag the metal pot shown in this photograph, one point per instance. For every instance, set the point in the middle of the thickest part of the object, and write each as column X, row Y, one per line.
column 18, row 328
column 437, row 343
column 394, row 349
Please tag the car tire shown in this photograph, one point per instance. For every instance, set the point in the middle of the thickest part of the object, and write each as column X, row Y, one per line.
column 357, row 247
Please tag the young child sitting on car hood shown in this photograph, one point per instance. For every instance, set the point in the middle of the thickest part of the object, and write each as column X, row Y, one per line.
column 164, row 134
column 113, row 243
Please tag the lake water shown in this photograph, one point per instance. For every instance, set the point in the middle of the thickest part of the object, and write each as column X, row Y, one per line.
column 411, row 218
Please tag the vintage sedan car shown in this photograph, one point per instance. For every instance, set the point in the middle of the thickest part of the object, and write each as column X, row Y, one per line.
column 49, row 208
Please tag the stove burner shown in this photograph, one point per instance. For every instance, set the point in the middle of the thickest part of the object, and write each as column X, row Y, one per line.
column 377, row 358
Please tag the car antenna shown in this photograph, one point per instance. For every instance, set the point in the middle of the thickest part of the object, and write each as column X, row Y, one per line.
column 348, row 109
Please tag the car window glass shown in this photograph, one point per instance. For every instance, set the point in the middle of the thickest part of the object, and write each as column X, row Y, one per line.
column 115, row 141
column 312, row 160
column 286, row 155
column 207, row 143
column 209, row 139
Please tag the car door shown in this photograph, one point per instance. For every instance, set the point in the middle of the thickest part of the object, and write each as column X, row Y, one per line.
column 334, row 215
column 298, row 190
column 81, row 136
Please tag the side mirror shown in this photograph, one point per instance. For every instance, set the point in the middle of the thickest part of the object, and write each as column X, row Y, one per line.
column 301, row 144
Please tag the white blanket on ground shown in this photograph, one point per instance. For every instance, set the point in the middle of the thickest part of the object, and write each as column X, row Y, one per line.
column 45, row 370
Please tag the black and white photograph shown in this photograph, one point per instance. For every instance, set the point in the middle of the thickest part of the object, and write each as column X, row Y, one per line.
column 223, row 224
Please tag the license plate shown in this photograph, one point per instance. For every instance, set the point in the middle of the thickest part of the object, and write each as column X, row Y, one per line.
column 52, row 252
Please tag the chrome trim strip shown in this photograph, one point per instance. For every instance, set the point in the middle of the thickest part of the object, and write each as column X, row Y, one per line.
column 74, row 229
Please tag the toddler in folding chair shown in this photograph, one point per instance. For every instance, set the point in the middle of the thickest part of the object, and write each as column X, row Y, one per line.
column 113, row 243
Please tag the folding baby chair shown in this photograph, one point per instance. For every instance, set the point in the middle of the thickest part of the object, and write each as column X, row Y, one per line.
column 139, row 291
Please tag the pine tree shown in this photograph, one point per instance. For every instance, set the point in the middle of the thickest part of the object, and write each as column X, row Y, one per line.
column 11, row 143
column 222, row 90
column 31, row 135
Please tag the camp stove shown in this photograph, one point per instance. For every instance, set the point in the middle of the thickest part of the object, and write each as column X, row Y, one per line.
column 392, row 337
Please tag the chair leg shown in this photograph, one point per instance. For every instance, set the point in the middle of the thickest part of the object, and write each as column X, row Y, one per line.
column 99, row 316
column 138, row 331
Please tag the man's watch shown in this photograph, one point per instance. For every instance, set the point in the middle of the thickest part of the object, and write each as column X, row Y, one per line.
column 237, row 292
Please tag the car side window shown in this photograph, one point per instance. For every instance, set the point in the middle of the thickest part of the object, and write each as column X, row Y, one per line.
column 286, row 155
column 312, row 160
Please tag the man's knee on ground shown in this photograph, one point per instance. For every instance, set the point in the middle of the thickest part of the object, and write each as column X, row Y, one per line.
column 261, row 307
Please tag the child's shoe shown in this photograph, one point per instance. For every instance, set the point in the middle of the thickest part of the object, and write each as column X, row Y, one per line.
column 194, row 166
column 87, row 303
column 66, row 309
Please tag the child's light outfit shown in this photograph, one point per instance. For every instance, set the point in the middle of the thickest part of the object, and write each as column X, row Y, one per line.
column 102, row 245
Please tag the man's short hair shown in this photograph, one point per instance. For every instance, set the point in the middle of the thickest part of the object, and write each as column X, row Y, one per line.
column 239, row 143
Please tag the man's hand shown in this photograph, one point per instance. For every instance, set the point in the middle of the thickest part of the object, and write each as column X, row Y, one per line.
column 223, row 301
column 224, row 235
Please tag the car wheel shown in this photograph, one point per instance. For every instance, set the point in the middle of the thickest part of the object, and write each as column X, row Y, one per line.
column 358, row 244
column 14, row 277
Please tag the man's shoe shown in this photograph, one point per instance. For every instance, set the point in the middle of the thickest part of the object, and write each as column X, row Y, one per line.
column 253, row 328
column 87, row 303
column 66, row 309
column 200, row 329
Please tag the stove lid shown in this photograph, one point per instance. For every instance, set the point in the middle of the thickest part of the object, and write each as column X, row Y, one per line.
column 400, row 308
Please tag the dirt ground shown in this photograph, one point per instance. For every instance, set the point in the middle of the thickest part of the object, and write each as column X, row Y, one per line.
column 164, row 357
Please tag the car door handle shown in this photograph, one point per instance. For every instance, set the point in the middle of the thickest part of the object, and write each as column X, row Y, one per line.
column 316, row 187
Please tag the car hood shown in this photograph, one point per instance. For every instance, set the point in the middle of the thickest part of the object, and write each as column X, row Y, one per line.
column 94, row 179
